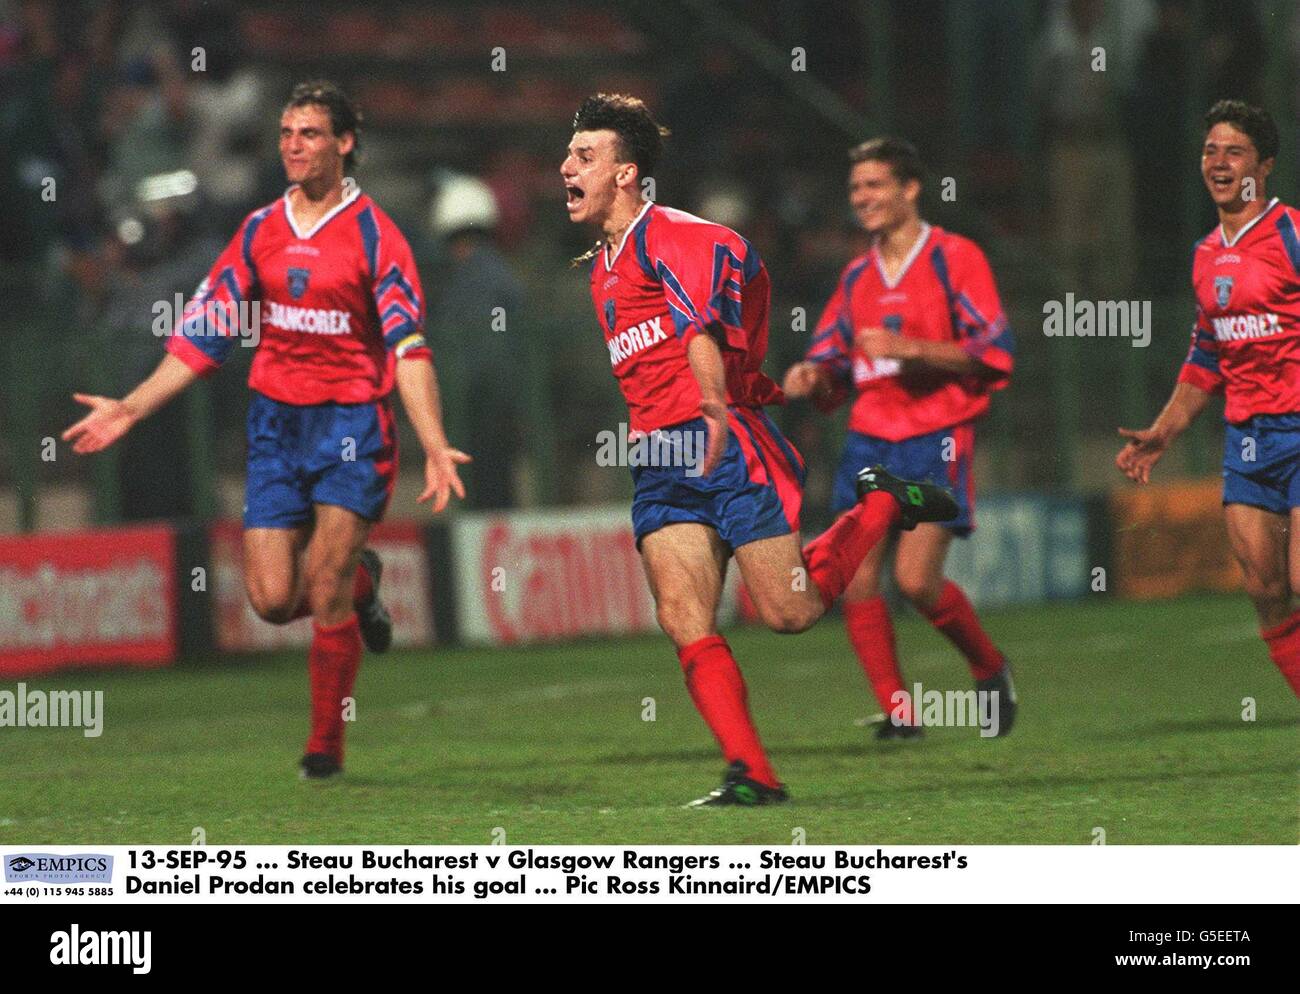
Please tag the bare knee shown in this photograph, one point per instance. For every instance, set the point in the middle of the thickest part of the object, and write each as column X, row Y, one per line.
column 921, row 589
column 1271, row 595
column 329, row 595
column 683, row 620
column 275, row 604
column 863, row 587
column 1266, row 586
column 789, row 617
column 271, row 572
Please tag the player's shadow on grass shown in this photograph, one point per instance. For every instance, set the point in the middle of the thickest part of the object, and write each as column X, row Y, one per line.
column 778, row 753
column 1162, row 729
column 703, row 754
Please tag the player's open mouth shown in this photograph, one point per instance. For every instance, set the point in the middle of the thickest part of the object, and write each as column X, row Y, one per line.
column 574, row 195
column 1221, row 182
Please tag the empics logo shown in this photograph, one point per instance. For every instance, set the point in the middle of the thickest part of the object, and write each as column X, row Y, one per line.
column 95, row 948
column 50, row 868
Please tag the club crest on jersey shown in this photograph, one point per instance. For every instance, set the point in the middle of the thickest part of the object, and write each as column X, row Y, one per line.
column 609, row 315
column 1222, row 289
column 298, row 281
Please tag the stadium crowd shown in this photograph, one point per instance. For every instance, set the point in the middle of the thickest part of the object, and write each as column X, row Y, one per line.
column 134, row 135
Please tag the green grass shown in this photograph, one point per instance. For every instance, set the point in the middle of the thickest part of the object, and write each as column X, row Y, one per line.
column 1131, row 721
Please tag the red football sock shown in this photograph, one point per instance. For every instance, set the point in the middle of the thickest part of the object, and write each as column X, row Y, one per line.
column 835, row 555
column 955, row 617
column 719, row 693
column 871, row 633
column 1284, row 648
column 332, row 663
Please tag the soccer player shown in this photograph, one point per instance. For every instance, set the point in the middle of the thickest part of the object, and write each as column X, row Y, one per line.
column 341, row 321
column 683, row 305
column 1246, row 345
column 915, row 327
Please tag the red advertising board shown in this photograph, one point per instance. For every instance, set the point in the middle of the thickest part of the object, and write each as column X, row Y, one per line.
column 405, row 591
column 527, row 576
column 87, row 598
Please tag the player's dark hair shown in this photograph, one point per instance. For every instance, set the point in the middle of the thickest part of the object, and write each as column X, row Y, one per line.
column 1254, row 122
column 900, row 155
column 640, row 136
column 344, row 116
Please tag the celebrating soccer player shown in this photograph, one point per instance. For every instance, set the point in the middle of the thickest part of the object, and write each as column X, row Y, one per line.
column 340, row 321
column 683, row 305
column 916, row 327
column 1246, row 345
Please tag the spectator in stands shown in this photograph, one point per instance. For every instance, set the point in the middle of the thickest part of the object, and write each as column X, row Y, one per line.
column 1083, row 70
column 1160, row 110
column 146, row 122
column 476, row 319
column 157, row 253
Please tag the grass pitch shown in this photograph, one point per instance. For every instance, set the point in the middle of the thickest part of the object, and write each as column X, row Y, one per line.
column 1131, row 721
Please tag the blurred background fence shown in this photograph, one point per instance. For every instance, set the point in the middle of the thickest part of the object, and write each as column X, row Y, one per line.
column 135, row 136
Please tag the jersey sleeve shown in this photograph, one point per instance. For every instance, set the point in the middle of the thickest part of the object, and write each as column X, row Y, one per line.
column 832, row 346
column 1201, row 367
column 217, row 313
column 399, row 298
column 982, row 328
column 704, row 270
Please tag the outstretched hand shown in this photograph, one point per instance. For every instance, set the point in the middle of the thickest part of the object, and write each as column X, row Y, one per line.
column 1144, row 449
column 107, row 421
column 441, row 479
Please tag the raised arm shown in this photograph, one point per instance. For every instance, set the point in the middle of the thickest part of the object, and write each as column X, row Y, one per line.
column 1146, row 445
column 110, row 419
column 197, row 346
column 399, row 302
column 1198, row 380
column 417, row 385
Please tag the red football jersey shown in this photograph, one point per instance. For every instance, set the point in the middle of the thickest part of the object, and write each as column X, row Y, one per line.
column 1246, row 340
column 675, row 276
column 336, row 305
column 944, row 292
